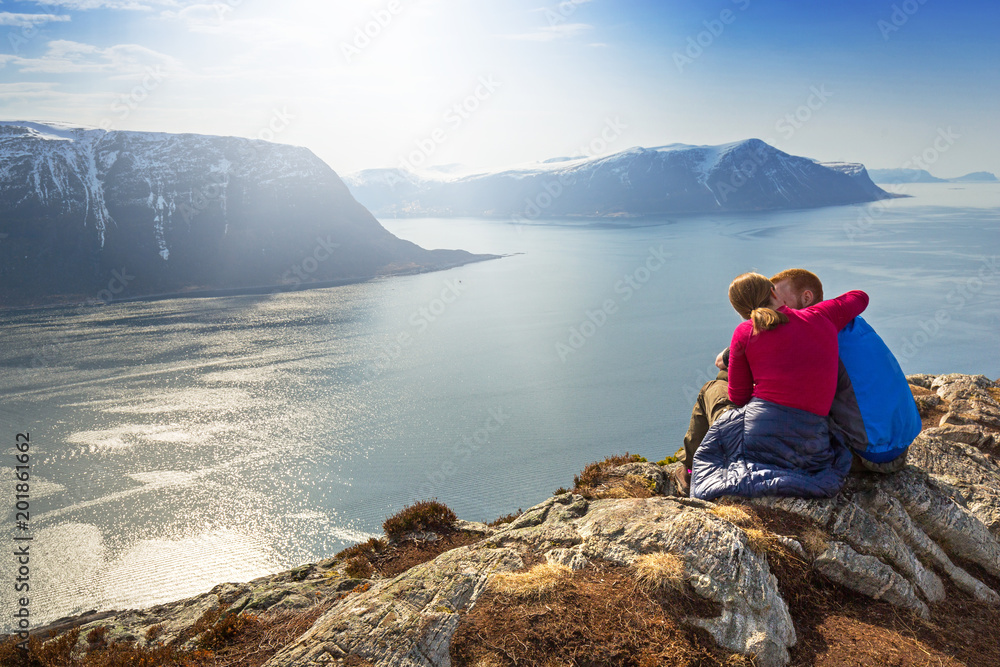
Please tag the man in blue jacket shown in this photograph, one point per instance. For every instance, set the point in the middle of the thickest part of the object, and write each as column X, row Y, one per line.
column 873, row 412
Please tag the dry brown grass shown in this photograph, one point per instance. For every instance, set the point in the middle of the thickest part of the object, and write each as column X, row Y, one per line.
column 995, row 393
column 598, row 616
column 629, row 486
column 660, row 571
column 531, row 583
column 815, row 541
column 739, row 515
column 761, row 541
column 596, row 482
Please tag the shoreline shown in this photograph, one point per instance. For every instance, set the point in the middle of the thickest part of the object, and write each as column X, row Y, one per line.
column 253, row 290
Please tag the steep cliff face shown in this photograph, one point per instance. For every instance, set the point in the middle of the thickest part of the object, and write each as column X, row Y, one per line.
column 151, row 213
column 742, row 176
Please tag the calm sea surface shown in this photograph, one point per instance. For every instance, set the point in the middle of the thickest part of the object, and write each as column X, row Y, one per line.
column 179, row 444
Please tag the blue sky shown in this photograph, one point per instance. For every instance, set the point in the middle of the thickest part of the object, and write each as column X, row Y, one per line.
column 490, row 83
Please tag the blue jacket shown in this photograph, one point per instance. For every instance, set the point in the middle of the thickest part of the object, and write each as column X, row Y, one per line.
column 767, row 449
column 874, row 412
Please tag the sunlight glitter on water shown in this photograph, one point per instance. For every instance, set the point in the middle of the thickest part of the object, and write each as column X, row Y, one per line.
column 77, row 571
column 264, row 432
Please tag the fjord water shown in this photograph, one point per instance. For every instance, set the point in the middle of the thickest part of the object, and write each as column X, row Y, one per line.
column 179, row 444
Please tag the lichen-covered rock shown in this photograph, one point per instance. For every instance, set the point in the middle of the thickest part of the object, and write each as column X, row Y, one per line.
column 870, row 576
column 921, row 380
column 405, row 621
column 300, row 588
column 572, row 558
column 927, row 403
column 882, row 548
column 955, row 385
column 650, row 472
column 969, row 399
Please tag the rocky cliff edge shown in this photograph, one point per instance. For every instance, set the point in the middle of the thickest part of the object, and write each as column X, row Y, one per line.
column 900, row 569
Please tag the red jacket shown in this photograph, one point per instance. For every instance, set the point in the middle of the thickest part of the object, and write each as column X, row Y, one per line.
column 794, row 364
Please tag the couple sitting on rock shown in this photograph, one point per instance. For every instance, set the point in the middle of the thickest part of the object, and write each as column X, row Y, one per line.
column 806, row 385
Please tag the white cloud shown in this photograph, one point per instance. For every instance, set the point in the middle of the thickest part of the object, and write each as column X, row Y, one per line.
column 552, row 32
column 24, row 89
column 64, row 56
column 201, row 17
column 25, row 20
column 103, row 4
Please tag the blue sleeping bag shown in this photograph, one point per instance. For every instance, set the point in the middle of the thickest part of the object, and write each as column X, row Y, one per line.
column 767, row 449
column 886, row 419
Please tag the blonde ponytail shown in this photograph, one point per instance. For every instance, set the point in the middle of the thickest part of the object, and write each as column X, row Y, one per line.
column 765, row 319
column 750, row 295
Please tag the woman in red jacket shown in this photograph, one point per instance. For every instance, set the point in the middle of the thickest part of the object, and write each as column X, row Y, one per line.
column 783, row 377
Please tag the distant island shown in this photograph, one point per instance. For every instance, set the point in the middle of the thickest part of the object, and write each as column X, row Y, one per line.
column 89, row 215
column 742, row 176
column 923, row 176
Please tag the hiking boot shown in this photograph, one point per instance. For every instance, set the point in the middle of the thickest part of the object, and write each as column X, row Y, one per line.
column 682, row 480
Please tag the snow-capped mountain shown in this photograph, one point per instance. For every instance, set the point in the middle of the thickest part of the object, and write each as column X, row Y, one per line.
column 178, row 212
column 746, row 175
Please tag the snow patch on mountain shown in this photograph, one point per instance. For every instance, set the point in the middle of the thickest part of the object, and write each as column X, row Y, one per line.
column 195, row 212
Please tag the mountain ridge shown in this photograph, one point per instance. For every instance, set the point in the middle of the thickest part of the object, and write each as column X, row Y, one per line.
column 745, row 175
column 924, row 176
column 179, row 213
